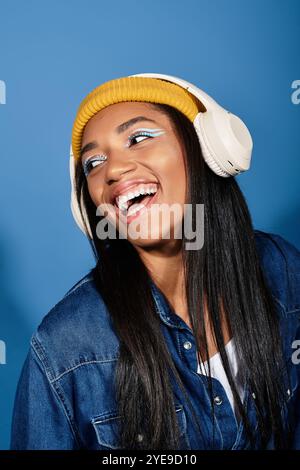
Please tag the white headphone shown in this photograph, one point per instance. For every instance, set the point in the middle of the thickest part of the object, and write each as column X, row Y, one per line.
column 225, row 141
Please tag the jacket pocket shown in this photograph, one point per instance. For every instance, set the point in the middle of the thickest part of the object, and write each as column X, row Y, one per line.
column 107, row 427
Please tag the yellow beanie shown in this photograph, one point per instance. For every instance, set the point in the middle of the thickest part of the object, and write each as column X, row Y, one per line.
column 132, row 89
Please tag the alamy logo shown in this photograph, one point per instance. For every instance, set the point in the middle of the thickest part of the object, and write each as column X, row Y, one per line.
column 2, row 92
column 154, row 223
column 2, row 352
column 295, row 97
column 296, row 354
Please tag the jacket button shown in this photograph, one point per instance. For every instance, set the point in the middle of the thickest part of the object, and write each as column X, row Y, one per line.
column 254, row 396
column 140, row 437
column 187, row 345
column 218, row 401
column 288, row 392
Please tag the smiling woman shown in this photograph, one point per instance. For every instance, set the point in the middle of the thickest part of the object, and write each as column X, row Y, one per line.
column 161, row 347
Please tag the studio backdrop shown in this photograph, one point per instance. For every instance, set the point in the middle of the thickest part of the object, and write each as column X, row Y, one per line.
column 243, row 53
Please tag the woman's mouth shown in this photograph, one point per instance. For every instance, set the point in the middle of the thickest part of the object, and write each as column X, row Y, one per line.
column 136, row 203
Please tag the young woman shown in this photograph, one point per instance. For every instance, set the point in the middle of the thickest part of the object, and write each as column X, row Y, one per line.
column 165, row 345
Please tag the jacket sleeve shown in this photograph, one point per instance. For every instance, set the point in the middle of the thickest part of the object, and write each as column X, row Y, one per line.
column 281, row 262
column 292, row 259
column 283, row 259
column 39, row 419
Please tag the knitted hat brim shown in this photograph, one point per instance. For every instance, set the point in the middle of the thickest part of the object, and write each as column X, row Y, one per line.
column 143, row 89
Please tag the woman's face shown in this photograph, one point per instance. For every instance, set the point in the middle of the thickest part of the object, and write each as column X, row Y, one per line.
column 144, row 168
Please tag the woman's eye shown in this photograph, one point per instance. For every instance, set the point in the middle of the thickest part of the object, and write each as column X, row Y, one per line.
column 93, row 162
column 139, row 136
column 136, row 137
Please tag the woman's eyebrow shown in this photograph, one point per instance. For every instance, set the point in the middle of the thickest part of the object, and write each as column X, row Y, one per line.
column 118, row 130
column 123, row 127
column 90, row 146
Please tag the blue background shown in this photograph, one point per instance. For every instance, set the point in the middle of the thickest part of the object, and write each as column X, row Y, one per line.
column 244, row 53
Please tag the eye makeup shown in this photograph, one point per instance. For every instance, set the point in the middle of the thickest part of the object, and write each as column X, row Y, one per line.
column 143, row 131
column 92, row 162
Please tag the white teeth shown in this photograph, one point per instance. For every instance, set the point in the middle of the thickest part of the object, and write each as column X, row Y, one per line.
column 122, row 201
column 135, row 209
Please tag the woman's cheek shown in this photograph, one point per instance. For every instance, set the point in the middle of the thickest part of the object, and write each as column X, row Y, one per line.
column 95, row 194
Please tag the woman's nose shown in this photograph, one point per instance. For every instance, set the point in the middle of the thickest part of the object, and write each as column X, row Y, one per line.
column 117, row 164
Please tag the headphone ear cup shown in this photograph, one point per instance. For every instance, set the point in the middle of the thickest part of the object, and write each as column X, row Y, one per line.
column 74, row 204
column 207, row 151
column 209, row 159
column 225, row 140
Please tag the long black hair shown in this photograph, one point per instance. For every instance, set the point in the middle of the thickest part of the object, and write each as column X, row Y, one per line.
column 226, row 272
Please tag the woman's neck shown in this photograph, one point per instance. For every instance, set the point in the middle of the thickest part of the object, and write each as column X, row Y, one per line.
column 165, row 267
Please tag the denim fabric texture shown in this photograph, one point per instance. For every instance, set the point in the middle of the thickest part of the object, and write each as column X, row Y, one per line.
column 65, row 397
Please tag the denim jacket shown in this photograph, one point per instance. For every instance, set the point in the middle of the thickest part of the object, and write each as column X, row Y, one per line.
column 65, row 398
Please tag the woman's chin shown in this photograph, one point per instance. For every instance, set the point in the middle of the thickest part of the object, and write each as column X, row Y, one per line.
column 159, row 237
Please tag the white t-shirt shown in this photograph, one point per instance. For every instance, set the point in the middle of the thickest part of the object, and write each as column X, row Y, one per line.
column 218, row 372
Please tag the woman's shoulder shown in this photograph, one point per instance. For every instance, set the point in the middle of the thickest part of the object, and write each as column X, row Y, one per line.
column 279, row 247
column 76, row 330
column 280, row 260
column 80, row 304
